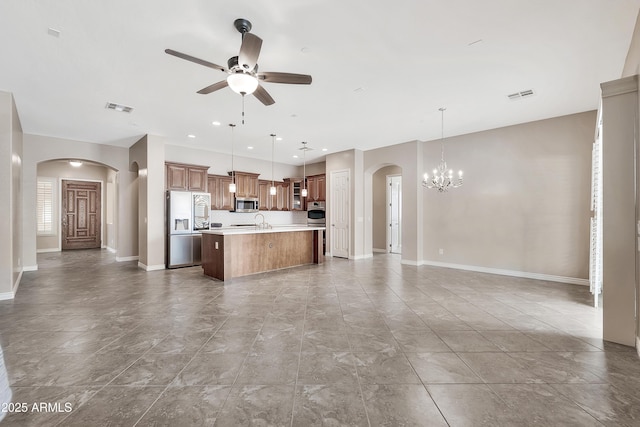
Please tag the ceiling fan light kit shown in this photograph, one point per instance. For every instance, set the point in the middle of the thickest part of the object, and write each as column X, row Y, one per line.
column 242, row 83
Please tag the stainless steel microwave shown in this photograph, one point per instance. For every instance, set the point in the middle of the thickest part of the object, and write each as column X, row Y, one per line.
column 245, row 204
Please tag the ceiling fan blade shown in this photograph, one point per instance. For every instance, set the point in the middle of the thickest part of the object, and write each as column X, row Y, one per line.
column 263, row 96
column 194, row 59
column 214, row 87
column 288, row 78
column 249, row 51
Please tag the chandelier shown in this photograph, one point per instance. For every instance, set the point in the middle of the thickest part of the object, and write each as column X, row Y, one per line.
column 442, row 178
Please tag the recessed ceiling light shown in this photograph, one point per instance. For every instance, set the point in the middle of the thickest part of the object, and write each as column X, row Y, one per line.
column 249, row 148
column 191, row 135
column 324, row 149
column 53, row 32
column 75, row 163
column 279, row 138
column 215, row 123
column 295, row 156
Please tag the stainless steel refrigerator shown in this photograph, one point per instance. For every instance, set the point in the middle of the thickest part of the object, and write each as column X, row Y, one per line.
column 187, row 215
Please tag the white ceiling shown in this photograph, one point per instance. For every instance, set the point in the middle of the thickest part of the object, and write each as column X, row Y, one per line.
column 380, row 69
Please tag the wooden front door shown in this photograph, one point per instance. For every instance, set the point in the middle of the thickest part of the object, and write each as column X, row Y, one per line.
column 81, row 215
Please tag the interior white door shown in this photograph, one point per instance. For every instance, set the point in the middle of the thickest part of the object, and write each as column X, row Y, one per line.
column 340, row 212
column 394, row 213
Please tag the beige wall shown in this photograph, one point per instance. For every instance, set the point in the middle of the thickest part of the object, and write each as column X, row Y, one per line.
column 631, row 68
column 39, row 149
column 149, row 155
column 11, row 145
column 60, row 169
column 312, row 169
column 408, row 157
column 524, row 206
column 342, row 161
column 379, row 212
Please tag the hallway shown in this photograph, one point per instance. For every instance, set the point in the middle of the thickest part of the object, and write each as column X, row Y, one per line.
column 368, row 342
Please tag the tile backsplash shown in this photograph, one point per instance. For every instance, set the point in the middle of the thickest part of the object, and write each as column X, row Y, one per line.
column 272, row 217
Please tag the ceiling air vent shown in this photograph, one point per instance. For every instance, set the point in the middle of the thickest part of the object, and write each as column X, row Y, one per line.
column 118, row 107
column 519, row 95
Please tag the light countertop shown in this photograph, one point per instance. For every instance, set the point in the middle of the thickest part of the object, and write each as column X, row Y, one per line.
column 225, row 231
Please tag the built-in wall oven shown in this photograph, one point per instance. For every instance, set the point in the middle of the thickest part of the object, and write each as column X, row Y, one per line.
column 316, row 216
column 316, row 213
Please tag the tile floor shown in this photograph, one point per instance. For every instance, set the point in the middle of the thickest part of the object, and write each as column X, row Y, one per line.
column 363, row 343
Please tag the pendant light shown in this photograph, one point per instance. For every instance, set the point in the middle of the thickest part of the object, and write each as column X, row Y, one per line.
column 442, row 178
column 272, row 190
column 304, row 149
column 232, row 186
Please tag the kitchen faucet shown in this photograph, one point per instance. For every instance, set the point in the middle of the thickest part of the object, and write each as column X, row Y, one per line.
column 264, row 224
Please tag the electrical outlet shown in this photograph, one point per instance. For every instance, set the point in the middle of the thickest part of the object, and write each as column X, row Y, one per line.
column 441, row 251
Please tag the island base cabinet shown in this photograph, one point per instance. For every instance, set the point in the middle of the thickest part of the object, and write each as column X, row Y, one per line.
column 228, row 256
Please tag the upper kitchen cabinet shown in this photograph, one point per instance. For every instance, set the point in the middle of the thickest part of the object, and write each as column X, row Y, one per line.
column 264, row 197
column 296, row 202
column 278, row 202
column 221, row 199
column 246, row 184
column 186, row 177
column 316, row 188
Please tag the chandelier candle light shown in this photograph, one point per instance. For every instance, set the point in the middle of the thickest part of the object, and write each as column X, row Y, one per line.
column 232, row 186
column 442, row 178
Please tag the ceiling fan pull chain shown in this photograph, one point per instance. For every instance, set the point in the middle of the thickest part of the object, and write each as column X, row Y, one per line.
column 243, row 108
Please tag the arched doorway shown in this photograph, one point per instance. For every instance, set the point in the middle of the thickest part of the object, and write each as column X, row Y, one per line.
column 386, row 209
column 76, row 205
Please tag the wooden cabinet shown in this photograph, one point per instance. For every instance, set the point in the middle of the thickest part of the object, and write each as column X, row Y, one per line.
column 316, row 188
column 246, row 184
column 264, row 198
column 296, row 201
column 221, row 199
column 180, row 176
column 283, row 201
column 279, row 202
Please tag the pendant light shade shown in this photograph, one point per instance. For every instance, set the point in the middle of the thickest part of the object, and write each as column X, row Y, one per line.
column 232, row 186
column 304, row 191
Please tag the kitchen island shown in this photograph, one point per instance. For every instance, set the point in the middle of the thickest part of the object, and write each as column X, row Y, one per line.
column 236, row 252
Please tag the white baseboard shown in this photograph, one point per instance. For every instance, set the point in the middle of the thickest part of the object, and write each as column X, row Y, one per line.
column 30, row 268
column 410, row 262
column 17, row 283
column 6, row 295
column 365, row 256
column 127, row 258
column 378, row 250
column 44, row 251
column 110, row 249
column 638, row 346
column 151, row 267
column 513, row 273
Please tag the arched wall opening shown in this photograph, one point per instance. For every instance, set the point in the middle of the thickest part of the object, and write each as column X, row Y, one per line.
column 376, row 204
column 38, row 149
column 50, row 175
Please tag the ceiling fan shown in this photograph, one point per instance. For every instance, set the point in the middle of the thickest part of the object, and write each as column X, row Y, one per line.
column 244, row 77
